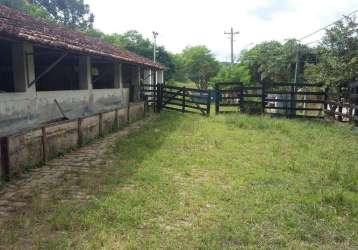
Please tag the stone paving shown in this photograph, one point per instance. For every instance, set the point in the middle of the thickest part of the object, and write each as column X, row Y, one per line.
column 50, row 178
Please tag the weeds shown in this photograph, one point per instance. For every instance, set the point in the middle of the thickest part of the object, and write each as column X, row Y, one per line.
column 224, row 182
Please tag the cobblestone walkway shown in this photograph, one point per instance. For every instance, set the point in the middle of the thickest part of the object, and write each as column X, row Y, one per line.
column 50, row 178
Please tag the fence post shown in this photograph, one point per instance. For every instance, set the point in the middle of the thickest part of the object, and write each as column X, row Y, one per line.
column 350, row 113
column 325, row 105
column 159, row 97
column 116, row 119
column 80, row 132
column 5, row 158
column 217, row 101
column 208, row 105
column 129, row 106
column 183, row 101
column 44, row 144
column 241, row 100
column 100, row 125
column 263, row 98
column 340, row 110
column 293, row 102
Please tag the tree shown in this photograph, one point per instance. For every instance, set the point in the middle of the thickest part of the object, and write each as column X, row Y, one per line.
column 134, row 41
column 200, row 65
column 337, row 56
column 233, row 73
column 24, row 5
column 275, row 62
column 72, row 13
column 179, row 73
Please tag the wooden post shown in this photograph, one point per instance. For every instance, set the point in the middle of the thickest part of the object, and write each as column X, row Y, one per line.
column 217, row 101
column 44, row 145
column 5, row 158
column 263, row 98
column 325, row 105
column 242, row 100
column 350, row 113
column 116, row 119
column 80, row 132
column 340, row 110
column 100, row 125
column 160, row 97
column 293, row 102
column 146, row 106
column 208, row 105
column 129, row 107
column 155, row 98
column 157, row 94
column 183, row 101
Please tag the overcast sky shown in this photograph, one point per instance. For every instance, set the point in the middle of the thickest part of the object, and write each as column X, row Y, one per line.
column 202, row 22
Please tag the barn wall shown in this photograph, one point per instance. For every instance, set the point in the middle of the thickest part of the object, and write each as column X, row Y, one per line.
column 31, row 147
column 23, row 110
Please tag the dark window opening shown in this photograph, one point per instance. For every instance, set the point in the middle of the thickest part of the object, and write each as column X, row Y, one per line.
column 64, row 76
column 127, row 75
column 102, row 74
column 6, row 68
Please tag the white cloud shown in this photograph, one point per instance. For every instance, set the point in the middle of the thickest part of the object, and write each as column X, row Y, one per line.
column 268, row 11
column 192, row 22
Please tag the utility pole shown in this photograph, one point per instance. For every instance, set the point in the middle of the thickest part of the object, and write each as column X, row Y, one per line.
column 232, row 34
column 295, row 81
column 297, row 63
column 155, row 34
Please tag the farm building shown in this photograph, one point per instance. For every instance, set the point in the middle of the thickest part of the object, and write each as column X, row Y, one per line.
column 48, row 72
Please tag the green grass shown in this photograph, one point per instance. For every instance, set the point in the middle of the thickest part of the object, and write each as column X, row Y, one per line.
column 224, row 182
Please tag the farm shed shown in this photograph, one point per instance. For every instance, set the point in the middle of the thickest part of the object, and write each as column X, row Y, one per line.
column 48, row 72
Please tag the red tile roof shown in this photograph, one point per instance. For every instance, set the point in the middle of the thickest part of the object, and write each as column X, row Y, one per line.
column 16, row 24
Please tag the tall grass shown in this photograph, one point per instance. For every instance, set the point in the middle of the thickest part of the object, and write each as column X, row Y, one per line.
column 223, row 182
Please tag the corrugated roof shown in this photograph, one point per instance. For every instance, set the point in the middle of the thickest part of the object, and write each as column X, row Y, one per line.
column 16, row 24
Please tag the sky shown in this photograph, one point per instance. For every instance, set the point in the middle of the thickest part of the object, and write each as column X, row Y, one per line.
column 182, row 23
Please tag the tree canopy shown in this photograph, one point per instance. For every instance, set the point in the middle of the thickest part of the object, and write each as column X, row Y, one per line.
column 337, row 56
column 134, row 41
column 71, row 13
column 233, row 73
column 200, row 65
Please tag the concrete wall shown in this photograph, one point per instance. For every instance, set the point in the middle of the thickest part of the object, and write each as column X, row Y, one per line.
column 136, row 111
column 33, row 146
column 25, row 150
column 22, row 110
column 61, row 137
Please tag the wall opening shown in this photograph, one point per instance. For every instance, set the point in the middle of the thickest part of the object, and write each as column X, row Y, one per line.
column 102, row 74
column 64, row 76
column 127, row 75
column 6, row 68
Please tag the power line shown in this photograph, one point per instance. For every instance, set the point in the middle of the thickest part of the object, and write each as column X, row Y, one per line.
column 315, row 41
column 232, row 34
column 325, row 27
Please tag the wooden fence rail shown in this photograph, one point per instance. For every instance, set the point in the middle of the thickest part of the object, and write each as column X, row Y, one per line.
column 281, row 99
column 306, row 100
column 181, row 99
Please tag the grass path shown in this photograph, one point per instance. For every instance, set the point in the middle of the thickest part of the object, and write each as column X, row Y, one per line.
column 224, row 182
